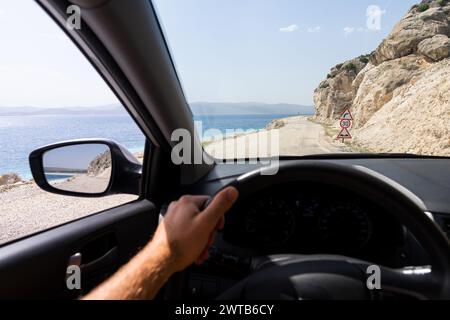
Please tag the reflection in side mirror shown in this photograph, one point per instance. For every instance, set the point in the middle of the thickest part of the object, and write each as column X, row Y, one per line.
column 86, row 168
column 81, row 168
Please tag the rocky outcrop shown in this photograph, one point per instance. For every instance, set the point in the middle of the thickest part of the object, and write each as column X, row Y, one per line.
column 436, row 48
column 100, row 164
column 337, row 92
column 415, row 27
column 405, row 80
column 416, row 120
column 379, row 84
column 9, row 178
column 275, row 124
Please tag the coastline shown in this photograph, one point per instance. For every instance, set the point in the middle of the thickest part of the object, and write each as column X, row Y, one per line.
column 6, row 187
column 26, row 209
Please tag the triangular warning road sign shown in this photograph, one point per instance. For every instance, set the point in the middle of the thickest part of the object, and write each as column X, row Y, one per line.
column 346, row 115
column 344, row 134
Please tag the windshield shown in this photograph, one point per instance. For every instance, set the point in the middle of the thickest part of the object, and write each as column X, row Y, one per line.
column 295, row 78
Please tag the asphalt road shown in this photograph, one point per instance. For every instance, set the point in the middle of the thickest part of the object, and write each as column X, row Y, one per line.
column 298, row 137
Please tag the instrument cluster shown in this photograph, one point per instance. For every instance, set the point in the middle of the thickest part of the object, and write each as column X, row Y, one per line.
column 316, row 219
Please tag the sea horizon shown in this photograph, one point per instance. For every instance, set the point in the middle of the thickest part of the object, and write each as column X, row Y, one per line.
column 21, row 134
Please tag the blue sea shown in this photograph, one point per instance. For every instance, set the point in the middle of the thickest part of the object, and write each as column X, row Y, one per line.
column 19, row 135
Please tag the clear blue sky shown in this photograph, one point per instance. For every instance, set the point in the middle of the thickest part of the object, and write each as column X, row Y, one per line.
column 234, row 51
column 225, row 50
column 64, row 157
column 40, row 66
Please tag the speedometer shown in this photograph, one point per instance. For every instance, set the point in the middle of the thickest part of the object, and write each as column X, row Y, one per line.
column 269, row 222
column 344, row 227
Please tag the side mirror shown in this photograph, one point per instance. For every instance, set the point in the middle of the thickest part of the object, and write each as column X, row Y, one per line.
column 86, row 168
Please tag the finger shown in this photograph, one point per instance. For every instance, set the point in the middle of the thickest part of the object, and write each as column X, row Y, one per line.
column 211, row 241
column 205, row 253
column 198, row 201
column 209, row 244
column 221, row 203
column 221, row 223
column 203, row 257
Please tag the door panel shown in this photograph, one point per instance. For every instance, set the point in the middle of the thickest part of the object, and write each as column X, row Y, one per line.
column 35, row 267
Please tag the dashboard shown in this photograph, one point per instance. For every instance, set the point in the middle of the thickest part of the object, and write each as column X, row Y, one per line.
column 314, row 219
column 297, row 218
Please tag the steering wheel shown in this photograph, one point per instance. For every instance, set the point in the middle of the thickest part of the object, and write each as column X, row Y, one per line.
column 296, row 277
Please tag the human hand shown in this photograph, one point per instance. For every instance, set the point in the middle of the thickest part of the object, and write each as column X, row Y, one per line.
column 186, row 233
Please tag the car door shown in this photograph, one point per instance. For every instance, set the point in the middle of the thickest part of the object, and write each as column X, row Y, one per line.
column 38, row 259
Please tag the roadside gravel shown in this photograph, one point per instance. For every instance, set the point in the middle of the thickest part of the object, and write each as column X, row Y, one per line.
column 26, row 209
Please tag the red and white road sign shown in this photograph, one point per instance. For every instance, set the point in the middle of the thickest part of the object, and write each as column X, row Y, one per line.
column 345, row 124
column 344, row 134
column 346, row 115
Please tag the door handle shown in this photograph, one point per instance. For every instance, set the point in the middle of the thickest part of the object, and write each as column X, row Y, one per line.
column 105, row 261
column 74, row 260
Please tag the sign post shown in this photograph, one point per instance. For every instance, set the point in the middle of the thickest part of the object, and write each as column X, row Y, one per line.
column 346, row 121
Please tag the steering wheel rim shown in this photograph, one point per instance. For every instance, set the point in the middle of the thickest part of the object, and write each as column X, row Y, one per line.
column 405, row 206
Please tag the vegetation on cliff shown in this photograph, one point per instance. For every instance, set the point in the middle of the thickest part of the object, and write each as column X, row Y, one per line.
column 400, row 95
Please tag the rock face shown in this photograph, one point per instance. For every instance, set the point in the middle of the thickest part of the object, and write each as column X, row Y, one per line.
column 435, row 48
column 336, row 93
column 405, row 82
column 100, row 165
column 415, row 27
column 416, row 120
column 275, row 124
column 9, row 178
column 379, row 83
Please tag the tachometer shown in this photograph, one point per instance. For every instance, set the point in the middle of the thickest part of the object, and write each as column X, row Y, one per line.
column 345, row 227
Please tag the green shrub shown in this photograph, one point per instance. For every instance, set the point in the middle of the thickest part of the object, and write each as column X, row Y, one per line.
column 442, row 2
column 364, row 59
column 424, row 7
column 339, row 66
column 349, row 67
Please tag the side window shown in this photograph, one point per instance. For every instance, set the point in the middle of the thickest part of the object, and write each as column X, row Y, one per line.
column 49, row 93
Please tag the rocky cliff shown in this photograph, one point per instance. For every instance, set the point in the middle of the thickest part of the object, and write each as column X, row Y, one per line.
column 101, row 165
column 400, row 94
column 9, row 178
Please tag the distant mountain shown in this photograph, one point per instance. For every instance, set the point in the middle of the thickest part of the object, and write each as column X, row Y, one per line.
column 198, row 108
column 216, row 108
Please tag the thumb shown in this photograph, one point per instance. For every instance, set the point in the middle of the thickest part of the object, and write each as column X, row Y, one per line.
column 221, row 203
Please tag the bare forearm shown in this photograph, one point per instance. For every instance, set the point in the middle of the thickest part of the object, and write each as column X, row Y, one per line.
column 182, row 237
column 141, row 278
